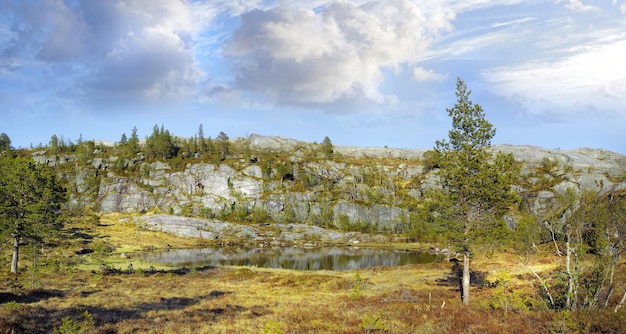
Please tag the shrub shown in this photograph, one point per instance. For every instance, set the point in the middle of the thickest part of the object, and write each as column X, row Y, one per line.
column 69, row 326
column 272, row 327
column 371, row 323
column 358, row 286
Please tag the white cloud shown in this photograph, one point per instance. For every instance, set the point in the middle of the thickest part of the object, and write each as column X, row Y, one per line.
column 593, row 78
column 422, row 74
column 578, row 6
column 130, row 49
column 300, row 56
column 512, row 22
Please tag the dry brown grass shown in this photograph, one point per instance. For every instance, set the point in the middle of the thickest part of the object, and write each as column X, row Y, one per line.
column 408, row 299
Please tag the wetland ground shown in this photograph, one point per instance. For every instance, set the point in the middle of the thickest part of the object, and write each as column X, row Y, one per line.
column 104, row 292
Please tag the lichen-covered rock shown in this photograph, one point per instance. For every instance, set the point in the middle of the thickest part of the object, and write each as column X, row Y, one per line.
column 194, row 227
column 374, row 217
column 363, row 188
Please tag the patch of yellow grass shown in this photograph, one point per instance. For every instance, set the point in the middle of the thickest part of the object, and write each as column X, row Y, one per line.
column 413, row 298
column 128, row 237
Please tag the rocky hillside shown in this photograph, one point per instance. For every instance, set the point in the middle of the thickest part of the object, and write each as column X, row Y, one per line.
column 273, row 179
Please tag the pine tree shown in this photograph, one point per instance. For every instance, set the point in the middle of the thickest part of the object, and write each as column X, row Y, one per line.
column 327, row 147
column 133, row 142
column 202, row 144
column 5, row 142
column 475, row 190
column 30, row 203
column 160, row 144
column 223, row 145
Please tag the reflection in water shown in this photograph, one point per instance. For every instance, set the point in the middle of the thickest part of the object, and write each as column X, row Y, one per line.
column 330, row 258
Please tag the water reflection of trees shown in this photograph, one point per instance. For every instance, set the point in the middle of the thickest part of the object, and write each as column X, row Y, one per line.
column 331, row 258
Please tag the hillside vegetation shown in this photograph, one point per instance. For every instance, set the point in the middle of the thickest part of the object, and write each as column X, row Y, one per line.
column 556, row 266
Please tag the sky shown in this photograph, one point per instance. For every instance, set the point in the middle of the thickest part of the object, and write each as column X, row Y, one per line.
column 364, row 73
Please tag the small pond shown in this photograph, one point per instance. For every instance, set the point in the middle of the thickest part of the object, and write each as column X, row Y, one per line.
column 327, row 258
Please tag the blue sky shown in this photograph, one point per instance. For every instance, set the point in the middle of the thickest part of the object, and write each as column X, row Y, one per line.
column 363, row 73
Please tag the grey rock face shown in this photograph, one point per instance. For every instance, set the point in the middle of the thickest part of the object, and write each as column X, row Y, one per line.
column 323, row 192
column 382, row 218
column 122, row 195
column 195, row 228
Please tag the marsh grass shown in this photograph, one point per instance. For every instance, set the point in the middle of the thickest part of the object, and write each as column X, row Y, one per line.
column 149, row 299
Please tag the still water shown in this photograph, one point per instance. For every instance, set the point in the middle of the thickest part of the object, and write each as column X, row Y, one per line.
column 327, row 258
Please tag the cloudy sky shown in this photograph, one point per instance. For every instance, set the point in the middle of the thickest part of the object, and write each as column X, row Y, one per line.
column 364, row 73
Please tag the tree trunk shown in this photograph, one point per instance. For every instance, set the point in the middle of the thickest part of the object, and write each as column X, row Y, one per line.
column 465, row 295
column 621, row 302
column 16, row 254
column 570, row 276
column 611, row 278
column 543, row 284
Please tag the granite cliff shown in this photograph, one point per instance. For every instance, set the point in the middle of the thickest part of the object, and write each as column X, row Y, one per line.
column 283, row 180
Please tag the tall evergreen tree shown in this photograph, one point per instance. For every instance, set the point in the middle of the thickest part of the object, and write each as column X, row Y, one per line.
column 123, row 140
column 160, row 144
column 5, row 142
column 30, row 203
column 223, row 145
column 475, row 190
column 327, row 147
column 133, row 142
column 201, row 143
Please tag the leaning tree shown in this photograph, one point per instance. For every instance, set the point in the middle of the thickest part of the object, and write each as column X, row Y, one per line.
column 475, row 186
column 31, row 198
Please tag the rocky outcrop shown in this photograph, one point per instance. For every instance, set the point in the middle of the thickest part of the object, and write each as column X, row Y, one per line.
column 373, row 217
column 271, row 235
column 196, row 228
column 365, row 189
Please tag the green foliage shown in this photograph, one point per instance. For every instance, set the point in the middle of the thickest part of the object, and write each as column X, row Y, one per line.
column 430, row 159
column 260, row 214
column 475, row 191
column 202, row 144
column 475, row 188
column 128, row 147
column 69, row 326
column 5, row 143
column 160, row 145
column 31, row 199
column 100, row 252
column 595, row 229
column 133, row 142
column 526, row 235
column 223, row 146
column 53, row 145
column 284, row 171
column 206, row 213
column 327, row 148
column 505, row 296
column 564, row 322
column 85, row 150
column 12, row 305
column 343, row 221
column 357, row 287
column 272, row 327
column 373, row 322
